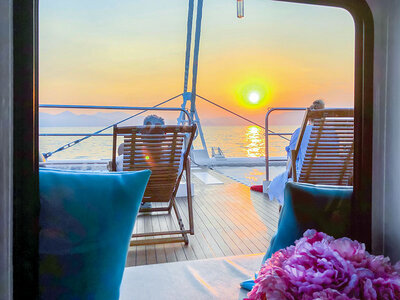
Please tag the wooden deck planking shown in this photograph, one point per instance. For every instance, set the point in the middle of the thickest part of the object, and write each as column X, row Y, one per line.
column 246, row 241
column 168, row 248
column 229, row 219
column 241, row 218
column 149, row 249
column 199, row 246
column 140, row 250
column 161, row 256
column 218, row 222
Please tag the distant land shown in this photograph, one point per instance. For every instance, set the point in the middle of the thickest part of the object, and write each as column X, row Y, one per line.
column 70, row 119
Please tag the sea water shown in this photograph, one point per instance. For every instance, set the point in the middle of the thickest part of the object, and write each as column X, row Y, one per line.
column 234, row 141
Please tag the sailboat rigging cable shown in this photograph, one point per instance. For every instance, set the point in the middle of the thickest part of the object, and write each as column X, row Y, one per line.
column 244, row 118
column 71, row 144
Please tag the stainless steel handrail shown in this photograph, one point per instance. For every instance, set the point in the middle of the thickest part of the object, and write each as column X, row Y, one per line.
column 75, row 134
column 267, row 134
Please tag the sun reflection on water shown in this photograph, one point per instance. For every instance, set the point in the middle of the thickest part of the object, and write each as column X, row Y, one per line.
column 254, row 141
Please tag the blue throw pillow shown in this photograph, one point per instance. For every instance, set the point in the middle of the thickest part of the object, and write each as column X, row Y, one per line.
column 308, row 206
column 86, row 221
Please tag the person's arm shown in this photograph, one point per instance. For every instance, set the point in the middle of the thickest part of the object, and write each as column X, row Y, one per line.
column 289, row 148
column 120, row 162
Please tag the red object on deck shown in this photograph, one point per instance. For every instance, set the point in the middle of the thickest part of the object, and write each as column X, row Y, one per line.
column 257, row 188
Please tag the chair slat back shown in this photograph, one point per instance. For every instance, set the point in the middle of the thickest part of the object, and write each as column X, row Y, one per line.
column 162, row 149
column 330, row 151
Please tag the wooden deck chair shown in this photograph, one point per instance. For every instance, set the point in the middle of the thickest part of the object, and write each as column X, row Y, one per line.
column 165, row 151
column 330, row 151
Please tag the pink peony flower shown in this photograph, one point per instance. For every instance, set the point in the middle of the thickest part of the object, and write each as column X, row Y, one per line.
column 320, row 267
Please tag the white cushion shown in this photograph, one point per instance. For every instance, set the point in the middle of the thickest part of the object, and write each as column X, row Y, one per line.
column 217, row 278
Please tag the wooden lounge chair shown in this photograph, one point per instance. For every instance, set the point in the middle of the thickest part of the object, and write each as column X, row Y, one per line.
column 165, row 151
column 330, row 152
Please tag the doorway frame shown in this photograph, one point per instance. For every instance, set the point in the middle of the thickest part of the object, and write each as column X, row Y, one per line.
column 26, row 202
column 361, row 206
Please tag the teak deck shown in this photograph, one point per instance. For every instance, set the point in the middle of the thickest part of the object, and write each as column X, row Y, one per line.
column 229, row 219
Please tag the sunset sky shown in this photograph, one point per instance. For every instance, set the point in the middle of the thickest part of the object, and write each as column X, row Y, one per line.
column 131, row 52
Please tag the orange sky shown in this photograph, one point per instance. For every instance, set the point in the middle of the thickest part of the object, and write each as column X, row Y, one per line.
column 132, row 53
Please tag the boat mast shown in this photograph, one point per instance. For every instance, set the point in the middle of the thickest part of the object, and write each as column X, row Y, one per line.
column 191, row 96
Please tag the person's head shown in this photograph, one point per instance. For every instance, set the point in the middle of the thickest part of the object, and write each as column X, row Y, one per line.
column 153, row 120
column 318, row 104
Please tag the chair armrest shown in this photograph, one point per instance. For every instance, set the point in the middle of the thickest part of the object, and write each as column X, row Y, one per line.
column 293, row 168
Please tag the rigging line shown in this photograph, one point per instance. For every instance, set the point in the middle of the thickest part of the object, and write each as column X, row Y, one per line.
column 71, row 144
column 248, row 120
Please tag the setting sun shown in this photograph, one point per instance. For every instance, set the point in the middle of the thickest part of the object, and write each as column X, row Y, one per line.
column 254, row 97
column 253, row 93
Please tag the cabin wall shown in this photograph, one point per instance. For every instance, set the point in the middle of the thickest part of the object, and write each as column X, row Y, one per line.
column 6, row 142
column 386, row 151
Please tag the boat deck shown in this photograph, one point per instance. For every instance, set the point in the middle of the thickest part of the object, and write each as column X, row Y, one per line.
column 229, row 219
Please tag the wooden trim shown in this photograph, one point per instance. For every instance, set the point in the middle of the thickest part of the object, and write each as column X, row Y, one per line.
column 159, row 233
column 295, row 152
column 332, row 112
column 155, row 129
column 293, row 159
column 301, row 134
column 157, row 241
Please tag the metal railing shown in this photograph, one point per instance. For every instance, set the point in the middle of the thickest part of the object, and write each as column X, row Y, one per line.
column 267, row 134
column 144, row 109
column 97, row 133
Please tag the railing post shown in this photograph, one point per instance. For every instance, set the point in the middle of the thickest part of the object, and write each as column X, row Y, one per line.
column 266, row 145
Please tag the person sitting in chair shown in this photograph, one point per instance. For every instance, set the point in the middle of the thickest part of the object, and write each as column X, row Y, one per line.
column 148, row 121
column 277, row 185
column 151, row 120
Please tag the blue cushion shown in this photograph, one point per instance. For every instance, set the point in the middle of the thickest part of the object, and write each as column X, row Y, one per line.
column 86, row 221
column 307, row 206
